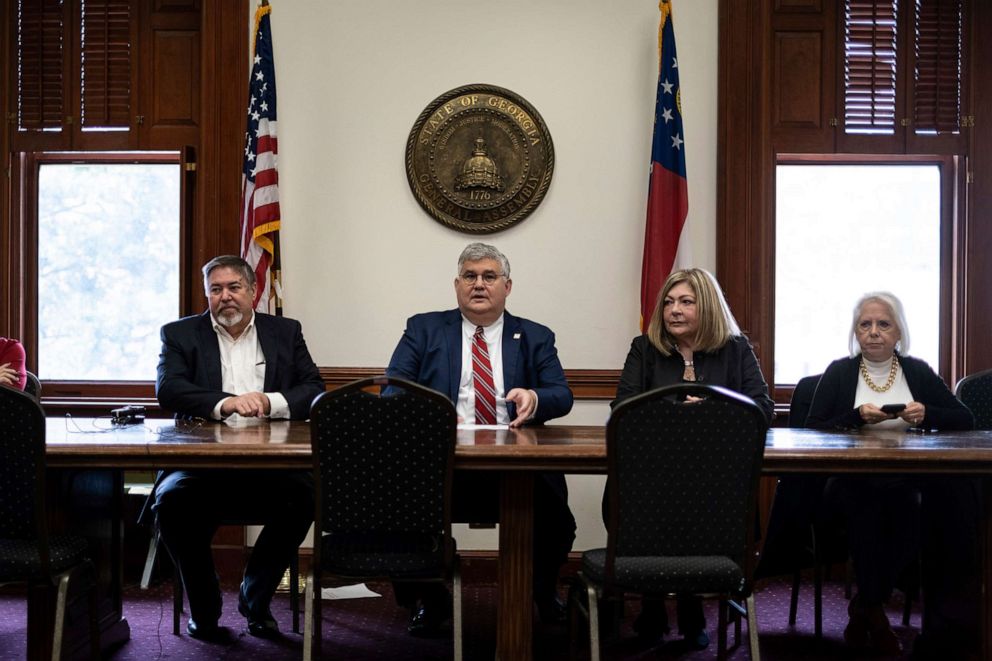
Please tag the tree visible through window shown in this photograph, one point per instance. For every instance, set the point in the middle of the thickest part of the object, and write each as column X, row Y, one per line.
column 108, row 267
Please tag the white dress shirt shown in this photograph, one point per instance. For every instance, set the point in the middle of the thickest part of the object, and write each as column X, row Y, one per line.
column 242, row 368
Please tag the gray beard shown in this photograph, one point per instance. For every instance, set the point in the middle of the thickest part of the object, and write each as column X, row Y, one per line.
column 233, row 320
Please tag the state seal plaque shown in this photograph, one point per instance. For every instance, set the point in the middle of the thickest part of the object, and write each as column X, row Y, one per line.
column 479, row 159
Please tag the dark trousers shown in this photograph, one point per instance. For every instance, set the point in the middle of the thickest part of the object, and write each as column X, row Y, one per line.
column 190, row 505
column 891, row 521
column 476, row 500
column 883, row 529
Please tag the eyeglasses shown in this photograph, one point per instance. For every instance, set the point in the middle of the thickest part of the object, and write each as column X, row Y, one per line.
column 489, row 277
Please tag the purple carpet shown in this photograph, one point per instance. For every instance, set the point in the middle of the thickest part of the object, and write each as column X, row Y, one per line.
column 375, row 628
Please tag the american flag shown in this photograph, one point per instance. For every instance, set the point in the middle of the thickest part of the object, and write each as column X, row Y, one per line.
column 260, row 216
column 668, row 198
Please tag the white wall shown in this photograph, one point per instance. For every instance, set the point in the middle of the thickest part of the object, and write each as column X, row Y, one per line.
column 359, row 254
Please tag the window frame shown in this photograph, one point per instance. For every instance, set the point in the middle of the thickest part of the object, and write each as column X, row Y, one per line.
column 29, row 164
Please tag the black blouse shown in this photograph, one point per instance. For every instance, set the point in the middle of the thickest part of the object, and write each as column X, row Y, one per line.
column 731, row 366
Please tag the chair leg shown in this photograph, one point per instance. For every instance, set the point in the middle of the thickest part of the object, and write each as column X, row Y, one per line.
column 177, row 601
column 721, row 629
column 294, row 590
column 593, row 622
column 63, row 590
column 794, row 599
column 146, row 574
column 308, row 629
column 737, row 629
column 457, row 589
column 817, row 599
column 752, row 629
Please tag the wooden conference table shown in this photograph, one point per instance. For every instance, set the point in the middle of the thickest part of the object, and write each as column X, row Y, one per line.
column 515, row 454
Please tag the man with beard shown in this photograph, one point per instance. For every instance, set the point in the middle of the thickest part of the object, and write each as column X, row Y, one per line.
column 227, row 364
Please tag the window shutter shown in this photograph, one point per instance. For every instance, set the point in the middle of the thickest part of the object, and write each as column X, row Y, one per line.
column 870, row 57
column 937, row 89
column 40, row 89
column 105, row 81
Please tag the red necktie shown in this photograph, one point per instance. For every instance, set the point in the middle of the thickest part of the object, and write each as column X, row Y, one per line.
column 482, row 381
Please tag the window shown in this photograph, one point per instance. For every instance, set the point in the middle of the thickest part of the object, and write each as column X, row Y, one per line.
column 108, row 264
column 882, row 233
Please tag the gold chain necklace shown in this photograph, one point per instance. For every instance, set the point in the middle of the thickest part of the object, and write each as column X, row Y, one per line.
column 893, row 370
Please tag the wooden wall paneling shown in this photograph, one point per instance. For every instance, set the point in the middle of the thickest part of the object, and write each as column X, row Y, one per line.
column 951, row 251
column 744, row 171
column 170, row 98
column 231, row 88
column 978, row 232
column 802, row 86
column 796, row 80
column 224, row 89
column 798, row 6
column 27, row 207
column 188, row 193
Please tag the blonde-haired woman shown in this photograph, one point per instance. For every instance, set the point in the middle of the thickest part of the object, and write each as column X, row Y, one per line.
column 692, row 337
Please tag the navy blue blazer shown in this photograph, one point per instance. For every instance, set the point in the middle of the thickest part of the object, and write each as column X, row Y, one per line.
column 430, row 353
column 189, row 372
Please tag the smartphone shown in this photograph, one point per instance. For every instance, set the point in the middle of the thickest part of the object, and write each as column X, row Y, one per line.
column 893, row 409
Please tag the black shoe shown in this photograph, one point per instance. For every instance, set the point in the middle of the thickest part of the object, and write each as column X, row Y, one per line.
column 205, row 631
column 260, row 625
column 428, row 618
column 552, row 610
column 698, row 641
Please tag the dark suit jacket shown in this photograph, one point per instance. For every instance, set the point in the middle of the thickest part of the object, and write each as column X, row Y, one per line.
column 732, row 366
column 833, row 402
column 430, row 353
column 189, row 372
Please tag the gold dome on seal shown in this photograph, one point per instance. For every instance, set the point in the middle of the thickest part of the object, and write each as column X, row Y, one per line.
column 479, row 170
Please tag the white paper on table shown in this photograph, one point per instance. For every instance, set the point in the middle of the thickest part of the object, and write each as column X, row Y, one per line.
column 357, row 591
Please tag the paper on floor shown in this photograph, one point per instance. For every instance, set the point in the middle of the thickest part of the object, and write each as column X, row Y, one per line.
column 357, row 591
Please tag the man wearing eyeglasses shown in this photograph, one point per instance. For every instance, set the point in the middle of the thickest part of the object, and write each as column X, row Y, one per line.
column 498, row 369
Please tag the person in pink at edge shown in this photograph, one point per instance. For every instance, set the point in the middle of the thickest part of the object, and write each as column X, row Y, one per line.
column 12, row 372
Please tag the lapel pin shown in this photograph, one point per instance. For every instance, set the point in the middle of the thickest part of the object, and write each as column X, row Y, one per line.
column 516, row 336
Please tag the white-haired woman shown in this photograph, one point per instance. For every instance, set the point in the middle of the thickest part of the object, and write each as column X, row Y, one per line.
column 881, row 387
